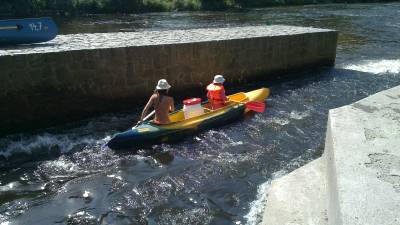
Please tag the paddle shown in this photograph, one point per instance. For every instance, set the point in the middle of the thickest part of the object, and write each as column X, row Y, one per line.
column 255, row 106
column 16, row 27
column 146, row 118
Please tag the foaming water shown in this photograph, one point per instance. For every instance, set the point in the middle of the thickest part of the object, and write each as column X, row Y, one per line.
column 32, row 144
column 377, row 66
column 299, row 115
column 53, row 142
column 256, row 211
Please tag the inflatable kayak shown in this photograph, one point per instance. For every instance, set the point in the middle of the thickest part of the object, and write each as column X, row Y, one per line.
column 26, row 31
column 149, row 133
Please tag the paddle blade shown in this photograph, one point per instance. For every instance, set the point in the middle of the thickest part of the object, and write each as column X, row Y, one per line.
column 256, row 106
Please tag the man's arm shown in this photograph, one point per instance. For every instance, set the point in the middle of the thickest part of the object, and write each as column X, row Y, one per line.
column 147, row 108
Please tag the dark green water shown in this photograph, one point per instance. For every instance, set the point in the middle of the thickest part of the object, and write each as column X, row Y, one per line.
column 218, row 176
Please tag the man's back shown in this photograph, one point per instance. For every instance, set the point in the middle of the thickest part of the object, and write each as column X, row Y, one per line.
column 162, row 105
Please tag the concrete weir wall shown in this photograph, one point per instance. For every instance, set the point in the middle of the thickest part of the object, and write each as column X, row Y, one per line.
column 357, row 180
column 77, row 75
column 363, row 152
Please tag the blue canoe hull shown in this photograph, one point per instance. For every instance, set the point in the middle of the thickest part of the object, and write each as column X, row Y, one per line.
column 27, row 31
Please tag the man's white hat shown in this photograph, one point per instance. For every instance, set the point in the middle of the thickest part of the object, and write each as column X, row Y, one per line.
column 219, row 79
column 163, row 85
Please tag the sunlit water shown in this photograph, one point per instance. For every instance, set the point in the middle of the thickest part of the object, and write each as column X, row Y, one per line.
column 65, row 175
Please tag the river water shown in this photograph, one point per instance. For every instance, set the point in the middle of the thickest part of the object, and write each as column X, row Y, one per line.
column 64, row 174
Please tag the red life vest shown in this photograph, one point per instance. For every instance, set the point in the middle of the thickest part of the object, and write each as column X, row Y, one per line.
column 216, row 95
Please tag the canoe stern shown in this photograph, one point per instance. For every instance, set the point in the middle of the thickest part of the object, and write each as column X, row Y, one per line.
column 258, row 95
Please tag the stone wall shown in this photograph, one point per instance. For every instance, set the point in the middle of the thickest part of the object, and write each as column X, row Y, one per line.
column 77, row 75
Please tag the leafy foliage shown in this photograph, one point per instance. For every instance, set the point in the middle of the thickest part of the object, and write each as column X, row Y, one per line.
column 38, row 7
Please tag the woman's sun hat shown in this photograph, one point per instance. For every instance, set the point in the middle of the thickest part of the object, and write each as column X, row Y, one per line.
column 163, row 85
column 219, row 79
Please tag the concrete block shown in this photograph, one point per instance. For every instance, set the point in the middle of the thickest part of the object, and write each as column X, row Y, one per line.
column 298, row 198
column 363, row 149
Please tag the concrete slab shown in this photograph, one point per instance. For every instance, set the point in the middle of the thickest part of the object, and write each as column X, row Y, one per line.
column 74, row 42
column 299, row 197
column 363, row 149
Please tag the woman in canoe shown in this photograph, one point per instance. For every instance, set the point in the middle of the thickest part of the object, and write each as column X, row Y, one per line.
column 216, row 92
column 162, row 103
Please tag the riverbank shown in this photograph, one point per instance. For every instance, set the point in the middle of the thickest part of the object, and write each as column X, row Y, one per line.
column 25, row 8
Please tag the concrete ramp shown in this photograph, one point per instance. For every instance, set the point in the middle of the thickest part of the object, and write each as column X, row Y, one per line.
column 299, row 197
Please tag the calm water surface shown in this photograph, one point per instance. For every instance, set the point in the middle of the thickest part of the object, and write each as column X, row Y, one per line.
column 64, row 175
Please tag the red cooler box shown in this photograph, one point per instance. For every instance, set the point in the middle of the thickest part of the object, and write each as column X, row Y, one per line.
column 192, row 107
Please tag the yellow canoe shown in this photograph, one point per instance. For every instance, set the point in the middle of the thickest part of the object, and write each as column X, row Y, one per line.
column 149, row 133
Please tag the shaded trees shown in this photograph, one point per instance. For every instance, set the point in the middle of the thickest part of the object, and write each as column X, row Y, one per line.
column 40, row 7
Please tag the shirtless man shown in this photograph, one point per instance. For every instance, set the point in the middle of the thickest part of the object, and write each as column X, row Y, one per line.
column 162, row 103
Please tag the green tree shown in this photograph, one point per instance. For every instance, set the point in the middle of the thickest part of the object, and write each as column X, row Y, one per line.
column 217, row 4
column 23, row 7
column 125, row 6
column 61, row 5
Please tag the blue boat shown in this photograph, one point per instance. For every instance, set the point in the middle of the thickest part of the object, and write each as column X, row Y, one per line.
column 27, row 31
